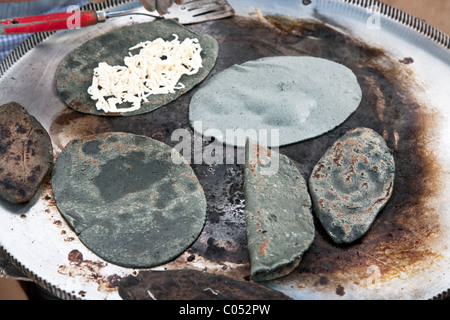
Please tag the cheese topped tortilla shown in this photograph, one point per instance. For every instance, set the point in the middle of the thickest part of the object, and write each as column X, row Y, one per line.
column 156, row 69
column 159, row 70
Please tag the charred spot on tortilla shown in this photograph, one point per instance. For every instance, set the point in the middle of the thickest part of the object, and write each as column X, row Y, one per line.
column 126, row 200
column 75, row 75
column 352, row 183
column 279, row 221
column 302, row 97
column 26, row 154
column 192, row 285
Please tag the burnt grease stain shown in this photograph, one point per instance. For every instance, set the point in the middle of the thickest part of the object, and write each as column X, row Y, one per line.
column 401, row 234
column 92, row 147
column 340, row 291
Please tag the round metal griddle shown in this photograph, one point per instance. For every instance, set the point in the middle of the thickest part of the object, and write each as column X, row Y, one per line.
column 403, row 66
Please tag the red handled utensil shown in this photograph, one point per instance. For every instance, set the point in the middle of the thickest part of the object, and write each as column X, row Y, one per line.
column 191, row 11
column 60, row 21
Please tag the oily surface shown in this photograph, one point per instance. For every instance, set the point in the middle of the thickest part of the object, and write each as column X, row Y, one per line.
column 26, row 154
column 74, row 76
column 126, row 199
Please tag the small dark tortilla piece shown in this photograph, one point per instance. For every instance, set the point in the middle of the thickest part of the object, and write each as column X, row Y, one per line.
column 279, row 221
column 352, row 183
column 74, row 75
column 127, row 200
column 192, row 285
column 26, row 154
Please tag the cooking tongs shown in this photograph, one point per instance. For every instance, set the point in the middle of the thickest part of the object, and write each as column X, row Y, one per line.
column 191, row 11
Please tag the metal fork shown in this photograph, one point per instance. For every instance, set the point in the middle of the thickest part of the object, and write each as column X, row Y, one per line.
column 196, row 11
column 191, row 11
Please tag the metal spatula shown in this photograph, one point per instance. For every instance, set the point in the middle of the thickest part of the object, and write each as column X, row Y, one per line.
column 191, row 11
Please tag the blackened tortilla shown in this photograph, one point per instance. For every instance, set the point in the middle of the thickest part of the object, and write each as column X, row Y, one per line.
column 127, row 200
column 26, row 154
column 74, row 75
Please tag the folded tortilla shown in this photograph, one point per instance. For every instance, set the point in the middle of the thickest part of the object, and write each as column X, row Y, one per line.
column 279, row 221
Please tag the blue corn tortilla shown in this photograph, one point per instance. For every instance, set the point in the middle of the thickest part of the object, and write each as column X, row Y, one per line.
column 126, row 200
column 279, row 221
column 302, row 97
column 352, row 183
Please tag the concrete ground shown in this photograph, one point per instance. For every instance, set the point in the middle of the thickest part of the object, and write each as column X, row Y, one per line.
column 434, row 12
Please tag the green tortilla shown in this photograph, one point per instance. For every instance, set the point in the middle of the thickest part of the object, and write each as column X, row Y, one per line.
column 302, row 97
column 279, row 220
column 127, row 200
column 352, row 183
column 74, row 75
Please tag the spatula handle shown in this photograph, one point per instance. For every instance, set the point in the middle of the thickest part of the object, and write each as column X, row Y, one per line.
column 48, row 22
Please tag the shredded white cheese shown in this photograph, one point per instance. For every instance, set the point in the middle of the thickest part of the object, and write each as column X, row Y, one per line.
column 157, row 69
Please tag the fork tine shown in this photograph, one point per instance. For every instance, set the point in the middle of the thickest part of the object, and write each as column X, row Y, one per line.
column 206, row 9
column 195, row 4
column 187, row 2
column 201, row 1
column 211, row 16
